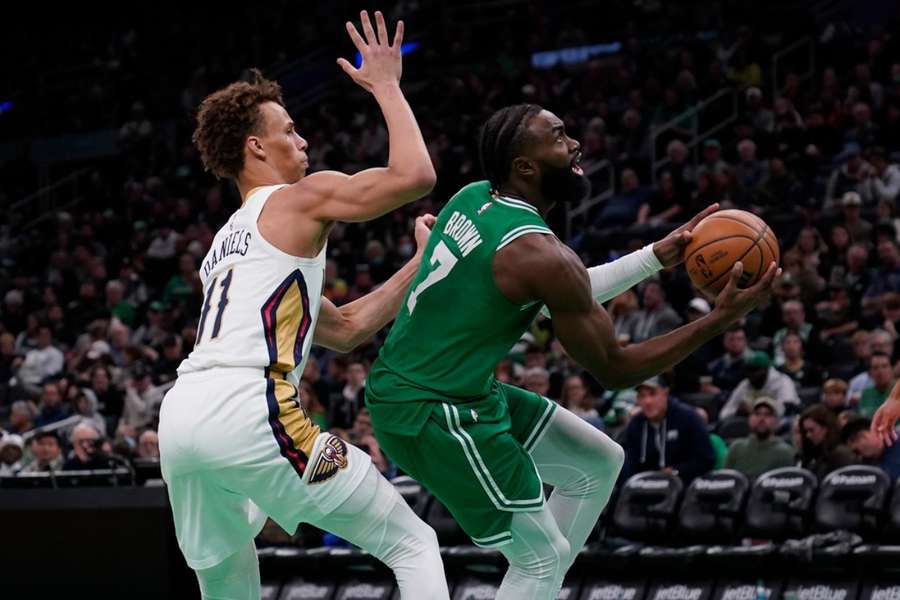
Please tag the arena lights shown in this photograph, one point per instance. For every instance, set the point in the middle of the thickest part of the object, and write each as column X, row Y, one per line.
column 572, row 56
column 406, row 48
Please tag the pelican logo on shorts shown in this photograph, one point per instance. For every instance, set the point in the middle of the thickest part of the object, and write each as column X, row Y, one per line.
column 332, row 458
column 704, row 268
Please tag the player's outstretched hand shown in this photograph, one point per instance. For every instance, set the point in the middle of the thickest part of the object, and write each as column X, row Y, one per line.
column 735, row 302
column 423, row 230
column 885, row 419
column 381, row 62
column 670, row 249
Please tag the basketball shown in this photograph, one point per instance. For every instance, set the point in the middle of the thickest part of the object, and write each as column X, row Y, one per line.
column 724, row 238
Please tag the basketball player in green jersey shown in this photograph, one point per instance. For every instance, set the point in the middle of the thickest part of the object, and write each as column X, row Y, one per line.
column 482, row 447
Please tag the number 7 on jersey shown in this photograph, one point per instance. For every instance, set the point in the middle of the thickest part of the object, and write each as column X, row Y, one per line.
column 445, row 260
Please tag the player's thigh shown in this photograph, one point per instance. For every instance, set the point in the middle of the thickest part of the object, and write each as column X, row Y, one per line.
column 473, row 465
column 529, row 414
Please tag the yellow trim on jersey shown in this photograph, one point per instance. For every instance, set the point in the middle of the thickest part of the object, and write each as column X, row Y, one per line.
column 293, row 418
column 288, row 317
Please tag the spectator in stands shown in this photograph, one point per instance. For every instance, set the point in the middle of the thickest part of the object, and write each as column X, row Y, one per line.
column 859, row 229
column 11, row 449
column 109, row 399
column 878, row 341
column 634, row 143
column 117, row 305
column 712, row 164
column 821, row 450
column 22, row 414
column 837, row 317
column 577, row 398
column 85, row 441
column 728, row 370
column 871, row 448
column 657, row 317
column 762, row 450
column 793, row 316
column 751, row 171
column 885, row 177
column 804, row 372
column 85, row 406
column 851, row 176
column 623, row 310
column 887, row 277
column 537, row 380
column 882, row 374
column 688, row 373
column 51, row 407
column 622, row 209
column 142, row 399
column 312, row 403
column 834, row 395
column 148, row 444
column 166, row 366
column 664, row 205
column 761, row 380
column 352, row 396
column 41, row 363
column 762, row 118
column 665, row 435
column 779, row 189
column 46, row 452
column 153, row 331
column 679, row 166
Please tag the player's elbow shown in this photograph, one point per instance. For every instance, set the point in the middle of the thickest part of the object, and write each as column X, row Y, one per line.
column 422, row 180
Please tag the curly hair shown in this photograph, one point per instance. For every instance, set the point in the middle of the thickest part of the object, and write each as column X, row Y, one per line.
column 227, row 117
column 501, row 139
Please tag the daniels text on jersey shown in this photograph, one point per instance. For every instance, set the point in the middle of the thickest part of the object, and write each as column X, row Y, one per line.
column 462, row 231
column 236, row 242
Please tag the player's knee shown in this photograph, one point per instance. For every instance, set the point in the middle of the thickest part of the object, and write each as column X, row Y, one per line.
column 616, row 457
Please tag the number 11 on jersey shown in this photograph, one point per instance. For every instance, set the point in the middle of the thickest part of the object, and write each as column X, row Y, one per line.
column 445, row 260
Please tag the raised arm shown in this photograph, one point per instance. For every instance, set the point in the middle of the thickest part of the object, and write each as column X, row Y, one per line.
column 541, row 268
column 409, row 175
column 343, row 329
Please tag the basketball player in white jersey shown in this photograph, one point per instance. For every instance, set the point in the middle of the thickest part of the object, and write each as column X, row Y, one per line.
column 235, row 444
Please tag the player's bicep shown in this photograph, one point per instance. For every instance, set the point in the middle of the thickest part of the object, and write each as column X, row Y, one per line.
column 334, row 196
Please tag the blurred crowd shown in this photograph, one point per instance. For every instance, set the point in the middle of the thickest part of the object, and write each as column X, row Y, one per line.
column 99, row 304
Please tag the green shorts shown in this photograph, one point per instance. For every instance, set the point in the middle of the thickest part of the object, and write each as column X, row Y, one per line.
column 474, row 457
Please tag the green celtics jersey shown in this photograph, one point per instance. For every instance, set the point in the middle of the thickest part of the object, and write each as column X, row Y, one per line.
column 454, row 325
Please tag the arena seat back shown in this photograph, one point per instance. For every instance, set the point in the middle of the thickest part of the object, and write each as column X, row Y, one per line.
column 712, row 508
column 647, row 505
column 780, row 504
column 853, row 498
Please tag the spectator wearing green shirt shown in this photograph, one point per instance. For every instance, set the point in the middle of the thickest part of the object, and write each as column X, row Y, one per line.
column 882, row 374
column 116, row 303
column 762, row 450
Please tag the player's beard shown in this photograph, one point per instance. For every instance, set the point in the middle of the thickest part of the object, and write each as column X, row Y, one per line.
column 562, row 185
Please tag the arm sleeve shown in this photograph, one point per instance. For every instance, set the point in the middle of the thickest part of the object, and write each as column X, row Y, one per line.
column 611, row 279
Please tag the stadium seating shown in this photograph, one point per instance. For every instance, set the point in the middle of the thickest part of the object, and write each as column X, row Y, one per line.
column 646, row 507
column 712, row 509
column 780, row 503
column 853, row 499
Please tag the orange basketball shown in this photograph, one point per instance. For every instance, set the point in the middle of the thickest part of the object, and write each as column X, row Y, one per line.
column 724, row 238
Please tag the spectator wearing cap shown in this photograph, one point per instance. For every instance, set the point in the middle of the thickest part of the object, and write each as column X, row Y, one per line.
column 46, row 452
column 870, row 447
column 728, row 370
column 882, row 373
column 762, row 450
column 859, row 229
column 761, row 379
column 656, row 317
column 805, row 373
column 11, row 449
column 712, row 165
column 41, row 363
column 821, row 450
column 834, row 395
column 688, row 372
column 885, row 177
column 665, row 435
column 851, row 176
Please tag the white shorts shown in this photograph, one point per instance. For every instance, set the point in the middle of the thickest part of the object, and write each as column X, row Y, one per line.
column 233, row 452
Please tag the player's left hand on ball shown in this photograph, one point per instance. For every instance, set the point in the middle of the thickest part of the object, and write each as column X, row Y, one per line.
column 883, row 423
column 422, row 231
column 670, row 249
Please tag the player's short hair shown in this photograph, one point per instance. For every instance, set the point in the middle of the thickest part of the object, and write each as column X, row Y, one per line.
column 501, row 140
column 227, row 117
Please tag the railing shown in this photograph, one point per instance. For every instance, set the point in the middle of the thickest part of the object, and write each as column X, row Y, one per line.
column 792, row 52
column 593, row 172
column 48, row 200
column 697, row 135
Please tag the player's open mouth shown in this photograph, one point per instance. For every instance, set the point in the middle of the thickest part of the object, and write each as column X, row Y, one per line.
column 576, row 166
